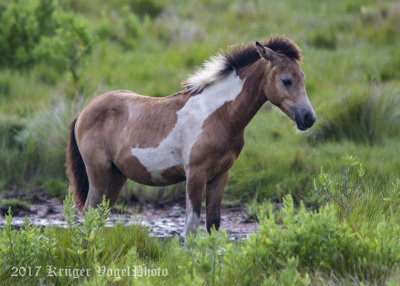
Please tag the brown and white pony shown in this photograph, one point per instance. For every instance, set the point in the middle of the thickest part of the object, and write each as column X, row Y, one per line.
column 194, row 135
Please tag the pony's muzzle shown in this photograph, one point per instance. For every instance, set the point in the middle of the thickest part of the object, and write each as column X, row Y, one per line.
column 304, row 118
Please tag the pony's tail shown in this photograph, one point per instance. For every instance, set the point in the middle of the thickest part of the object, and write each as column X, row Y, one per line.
column 76, row 171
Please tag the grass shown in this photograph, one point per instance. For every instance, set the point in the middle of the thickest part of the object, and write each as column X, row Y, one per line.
column 353, row 88
column 363, row 116
column 15, row 205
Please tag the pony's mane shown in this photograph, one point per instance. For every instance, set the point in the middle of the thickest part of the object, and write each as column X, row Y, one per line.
column 235, row 58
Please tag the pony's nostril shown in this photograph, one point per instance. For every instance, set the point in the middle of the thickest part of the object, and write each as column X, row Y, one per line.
column 309, row 119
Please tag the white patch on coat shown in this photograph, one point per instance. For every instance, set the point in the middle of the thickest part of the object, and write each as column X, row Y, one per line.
column 207, row 74
column 175, row 148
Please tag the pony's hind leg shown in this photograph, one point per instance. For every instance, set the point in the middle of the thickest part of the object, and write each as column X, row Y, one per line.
column 214, row 192
column 117, row 181
column 104, row 179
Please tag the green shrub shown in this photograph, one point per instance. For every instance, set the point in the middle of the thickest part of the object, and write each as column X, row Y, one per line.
column 31, row 33
column 122, row 26
column 206, row 254
column 19, row 33
column 27, row 247
column 344, row 192
column 360, row 204
column 86, row 244
column 68, row 47
column 210, row 257
column 298, row 247
column 317, row 241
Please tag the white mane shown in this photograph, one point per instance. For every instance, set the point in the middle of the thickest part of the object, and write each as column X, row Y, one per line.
column 210, row 72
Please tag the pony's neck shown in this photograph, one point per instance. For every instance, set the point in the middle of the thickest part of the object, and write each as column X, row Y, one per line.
column 251, row 98
column 235, row 99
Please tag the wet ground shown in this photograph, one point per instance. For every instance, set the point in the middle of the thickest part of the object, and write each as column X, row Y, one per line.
column 162, row 222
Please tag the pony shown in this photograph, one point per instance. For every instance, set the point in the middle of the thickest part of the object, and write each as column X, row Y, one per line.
column 194, row 135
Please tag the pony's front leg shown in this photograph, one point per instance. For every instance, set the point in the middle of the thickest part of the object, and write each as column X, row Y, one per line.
column 195, row 186
column 214, row 192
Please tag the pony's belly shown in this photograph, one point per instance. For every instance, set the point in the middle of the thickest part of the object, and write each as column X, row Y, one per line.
column 164, row 167
column 165, row 177
column 159, row 177
column 169, row 176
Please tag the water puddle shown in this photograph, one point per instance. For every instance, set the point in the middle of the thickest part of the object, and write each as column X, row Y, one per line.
column 165, row 222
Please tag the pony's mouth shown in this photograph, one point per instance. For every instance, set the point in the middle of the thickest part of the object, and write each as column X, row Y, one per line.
column 301, row 126
column 304, row 118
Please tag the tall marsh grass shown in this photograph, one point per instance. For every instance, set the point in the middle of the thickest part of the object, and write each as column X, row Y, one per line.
column 33, row 148
column 364, row 116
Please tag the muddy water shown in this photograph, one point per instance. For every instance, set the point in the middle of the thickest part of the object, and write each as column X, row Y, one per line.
column 165, row 222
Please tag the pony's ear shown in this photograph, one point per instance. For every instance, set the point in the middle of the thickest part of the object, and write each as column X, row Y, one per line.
column 266, row 52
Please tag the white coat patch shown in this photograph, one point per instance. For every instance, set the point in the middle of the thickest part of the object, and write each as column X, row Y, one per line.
column 175, row 148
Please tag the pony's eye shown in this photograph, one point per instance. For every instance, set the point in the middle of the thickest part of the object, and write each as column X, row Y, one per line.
column 287, row 82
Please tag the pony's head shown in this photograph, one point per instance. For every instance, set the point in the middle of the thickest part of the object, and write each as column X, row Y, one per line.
column 284, row 83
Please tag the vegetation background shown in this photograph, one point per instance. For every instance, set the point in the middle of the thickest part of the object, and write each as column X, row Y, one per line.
column 56, row 55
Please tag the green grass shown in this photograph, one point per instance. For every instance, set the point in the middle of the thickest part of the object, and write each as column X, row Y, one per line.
column 353, row 86
column 351, row 60
column 15, row 205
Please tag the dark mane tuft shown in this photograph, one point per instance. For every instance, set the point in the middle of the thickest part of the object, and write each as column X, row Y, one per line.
column 284, row 46
column 240, row 56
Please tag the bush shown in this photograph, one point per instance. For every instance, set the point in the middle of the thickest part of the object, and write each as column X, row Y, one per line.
column 314, row 241
column 298, row 247
column 28, row 247
column 122, row 26
column 84, row 245
column 342, row 193
column 360, row 204
column 31, row 33
column 67, row 49
column 19, row 33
